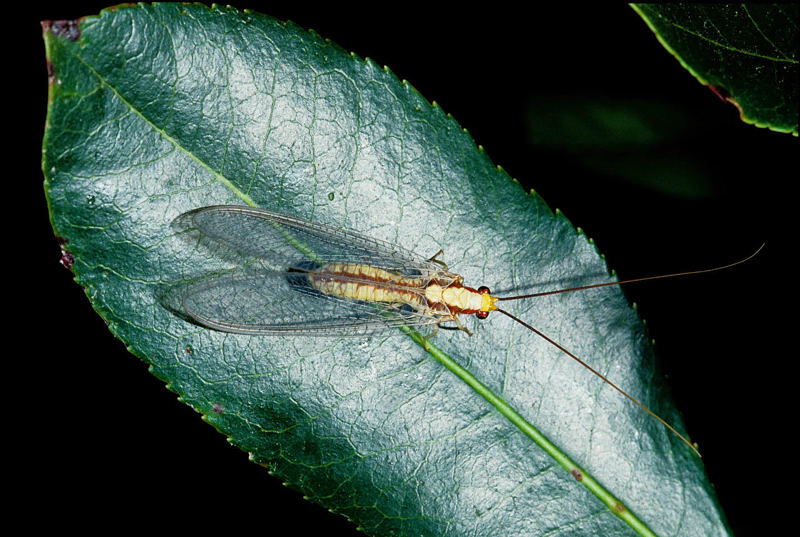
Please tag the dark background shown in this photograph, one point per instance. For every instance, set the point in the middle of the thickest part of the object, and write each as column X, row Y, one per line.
column 112, row 448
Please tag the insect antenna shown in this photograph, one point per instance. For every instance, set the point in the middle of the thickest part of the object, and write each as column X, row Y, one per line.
column 587, row 366
column 660, row 276
column 603, row 377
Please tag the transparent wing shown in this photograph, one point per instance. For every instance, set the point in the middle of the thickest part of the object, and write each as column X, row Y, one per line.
column 267, row 290
column 261, row 302
column 285, row 241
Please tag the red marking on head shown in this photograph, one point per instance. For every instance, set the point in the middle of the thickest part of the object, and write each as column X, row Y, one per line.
column 483, row 289
column 576, row 474
column 481, row 314
column 63, row 28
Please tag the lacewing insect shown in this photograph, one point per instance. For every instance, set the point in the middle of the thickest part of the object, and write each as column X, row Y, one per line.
column 294, row 277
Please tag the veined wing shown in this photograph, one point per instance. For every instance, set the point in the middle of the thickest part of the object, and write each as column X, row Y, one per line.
column 258, row 302
column 285, row 241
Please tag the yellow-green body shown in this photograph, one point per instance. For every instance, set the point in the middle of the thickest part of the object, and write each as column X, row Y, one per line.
column 442, row 296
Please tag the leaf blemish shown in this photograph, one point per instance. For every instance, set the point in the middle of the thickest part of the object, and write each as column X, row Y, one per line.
column 724, row 96
column 720, row 92
column 63, row 28
column 218, row 408
column 577, row 474
column 67, row 259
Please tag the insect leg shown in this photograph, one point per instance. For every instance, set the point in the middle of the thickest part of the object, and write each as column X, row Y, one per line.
column 439, row 262
column 459, row 325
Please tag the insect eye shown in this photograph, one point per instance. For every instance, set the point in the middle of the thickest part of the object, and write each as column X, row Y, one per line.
column 481, row 314
column 483, row 290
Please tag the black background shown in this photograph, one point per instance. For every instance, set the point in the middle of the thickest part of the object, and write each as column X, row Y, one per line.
column 106, row 446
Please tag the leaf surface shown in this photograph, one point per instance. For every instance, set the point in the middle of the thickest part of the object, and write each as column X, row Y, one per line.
column 157, row 110
column 746, row 53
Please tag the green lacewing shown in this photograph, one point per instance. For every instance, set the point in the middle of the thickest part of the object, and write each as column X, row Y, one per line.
column 299, row 278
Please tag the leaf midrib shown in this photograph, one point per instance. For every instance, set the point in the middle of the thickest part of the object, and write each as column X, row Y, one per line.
column 217, row 175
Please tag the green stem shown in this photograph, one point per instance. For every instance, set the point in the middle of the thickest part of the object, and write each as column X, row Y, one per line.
column 580, row 475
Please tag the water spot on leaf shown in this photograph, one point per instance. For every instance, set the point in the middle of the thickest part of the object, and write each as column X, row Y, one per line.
column 331, row 196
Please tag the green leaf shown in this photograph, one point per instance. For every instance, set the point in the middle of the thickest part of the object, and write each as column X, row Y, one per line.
column 746, row 53
column 156, row 110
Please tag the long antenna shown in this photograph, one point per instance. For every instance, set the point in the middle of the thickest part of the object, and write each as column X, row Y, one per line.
column 604, row 378
column 545, row 293
column 590, row 368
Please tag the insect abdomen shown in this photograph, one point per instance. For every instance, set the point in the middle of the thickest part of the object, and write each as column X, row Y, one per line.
column 356, row 281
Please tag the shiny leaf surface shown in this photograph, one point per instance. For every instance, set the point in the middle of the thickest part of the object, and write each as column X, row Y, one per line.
column 157, row 110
